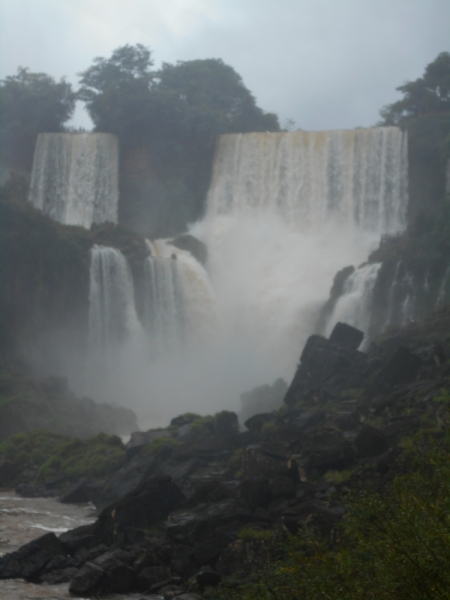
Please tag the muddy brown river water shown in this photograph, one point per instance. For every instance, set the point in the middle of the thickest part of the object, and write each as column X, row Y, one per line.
column 22, row 520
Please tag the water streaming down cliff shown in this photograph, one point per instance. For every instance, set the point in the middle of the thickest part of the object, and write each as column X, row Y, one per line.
column 285, row 213
column 391, row 294
column 356, row 302
column 180, row 305
column 75, row 177
column 114, row 329
column 352, row 177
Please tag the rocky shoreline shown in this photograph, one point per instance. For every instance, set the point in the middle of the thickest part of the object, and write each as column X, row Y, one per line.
column 201, row 502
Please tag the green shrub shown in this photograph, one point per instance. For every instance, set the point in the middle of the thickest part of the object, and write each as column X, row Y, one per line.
column 94, row 457
column 155, row 446
column 248, row 534
column 392, row 545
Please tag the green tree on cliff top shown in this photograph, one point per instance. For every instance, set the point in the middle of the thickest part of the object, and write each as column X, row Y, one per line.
column 192, row 99
column 427, row 95
column 30, row 103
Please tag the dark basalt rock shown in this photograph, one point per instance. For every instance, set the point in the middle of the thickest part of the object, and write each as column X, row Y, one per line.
column 257, row 422
column 227, row 423
column 282, row 487
column 151, row 576
column 370, row 441
column 109, row 573
column 30, row 561
column 207, row 577
column 149, row 503
column 327, row 366
column 85, row 537
column 346, row 336
column 207, row 552
column 135, row 472
column 80, row 492
column 255, row 491
column 314, row 511
column 8, row 473
column 152, row 539
column 199, row 524
column 193, row 245
column 402, row 367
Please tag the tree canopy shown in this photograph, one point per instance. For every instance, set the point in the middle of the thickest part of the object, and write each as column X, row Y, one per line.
column 117, row 91
column 210, row 98
column 427, row 95
column 196, row 99
column 30, row 103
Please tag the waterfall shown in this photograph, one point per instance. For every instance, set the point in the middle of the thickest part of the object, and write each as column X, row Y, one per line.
column 285, row 212
column 356, row 177
column 115, row 339
column 163, row 316
column 75, row 177
column 442, row 293
column 112, row 313
column 179, row 302
column 355, row 305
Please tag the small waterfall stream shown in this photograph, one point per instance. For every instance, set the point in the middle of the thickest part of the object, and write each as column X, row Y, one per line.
column 355, row 305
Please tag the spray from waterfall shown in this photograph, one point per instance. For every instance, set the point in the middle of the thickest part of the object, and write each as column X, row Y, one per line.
column 285, row 212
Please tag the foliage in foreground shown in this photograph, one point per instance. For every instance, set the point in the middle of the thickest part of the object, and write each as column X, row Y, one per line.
column 394, row 545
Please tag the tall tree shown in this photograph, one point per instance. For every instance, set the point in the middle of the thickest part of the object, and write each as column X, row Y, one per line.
column 167, row 122
column 210, row 98
column 117, row 91
column 30, row 103
column 427, row 95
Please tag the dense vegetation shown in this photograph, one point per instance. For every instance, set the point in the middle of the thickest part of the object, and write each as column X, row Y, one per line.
column 30, row 103
column 394, row 544
column 424, row 111
column 167, row 122
column 57, row 456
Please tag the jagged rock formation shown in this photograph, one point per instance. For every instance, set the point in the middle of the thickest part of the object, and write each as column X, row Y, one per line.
column 218, row 496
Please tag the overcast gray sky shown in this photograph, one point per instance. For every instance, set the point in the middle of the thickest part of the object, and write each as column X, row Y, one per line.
column 326, row 64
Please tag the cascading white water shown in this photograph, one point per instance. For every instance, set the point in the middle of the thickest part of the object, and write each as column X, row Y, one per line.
column 355, row 304
column 443, row 287
column 114, row 328
column 75, row 177
column 180, row 305
column 285, row 213
column 355, row 177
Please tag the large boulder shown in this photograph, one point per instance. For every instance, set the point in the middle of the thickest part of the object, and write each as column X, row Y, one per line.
column 326, row 366
column 31, row 560
column 401, row 368
column 149, row 503
column 346, row 336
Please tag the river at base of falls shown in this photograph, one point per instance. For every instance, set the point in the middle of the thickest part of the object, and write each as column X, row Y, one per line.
column 24, row 519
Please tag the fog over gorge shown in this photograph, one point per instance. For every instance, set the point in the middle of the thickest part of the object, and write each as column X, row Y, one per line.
column 279, row 213
column 284, row 213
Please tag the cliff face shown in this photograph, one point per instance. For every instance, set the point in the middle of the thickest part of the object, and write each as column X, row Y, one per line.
column 413, row 276
column 162, row 190
column 45, row 285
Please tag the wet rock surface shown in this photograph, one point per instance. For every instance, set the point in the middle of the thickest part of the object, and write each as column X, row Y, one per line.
column 199, row 503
